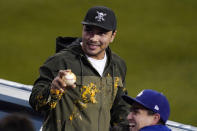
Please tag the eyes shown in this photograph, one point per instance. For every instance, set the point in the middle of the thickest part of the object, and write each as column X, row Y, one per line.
column 95, row 30
column 134, row 110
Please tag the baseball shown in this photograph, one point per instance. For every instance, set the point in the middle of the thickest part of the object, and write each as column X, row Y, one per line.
column 69, row 78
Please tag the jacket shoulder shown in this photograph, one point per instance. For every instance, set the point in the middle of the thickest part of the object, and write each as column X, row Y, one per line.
column 118, row 60
column 156, row 128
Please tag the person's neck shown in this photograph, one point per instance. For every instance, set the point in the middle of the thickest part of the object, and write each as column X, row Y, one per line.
column 100, row 57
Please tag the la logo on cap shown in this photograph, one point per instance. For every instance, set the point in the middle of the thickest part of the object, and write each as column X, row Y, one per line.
column 156, row 107
column 100, row 16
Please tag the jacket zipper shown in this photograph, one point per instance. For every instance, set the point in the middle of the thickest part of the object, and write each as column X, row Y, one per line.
column 101, row 102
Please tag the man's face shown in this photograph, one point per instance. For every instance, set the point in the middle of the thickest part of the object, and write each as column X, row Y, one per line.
column 139, row 118
column 96, row 40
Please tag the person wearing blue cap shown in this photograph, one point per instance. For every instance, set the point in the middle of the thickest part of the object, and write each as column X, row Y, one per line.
column 93, row 102
column 149, row 111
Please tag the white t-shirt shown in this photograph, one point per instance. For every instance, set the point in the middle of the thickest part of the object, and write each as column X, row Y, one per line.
column 99, row 65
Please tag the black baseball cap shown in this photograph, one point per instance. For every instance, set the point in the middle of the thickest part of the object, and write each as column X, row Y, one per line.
column 101, row 16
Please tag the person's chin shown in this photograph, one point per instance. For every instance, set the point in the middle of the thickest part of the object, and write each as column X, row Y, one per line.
column 132, row 127
column 91, row 52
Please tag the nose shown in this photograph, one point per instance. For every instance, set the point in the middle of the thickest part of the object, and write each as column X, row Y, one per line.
column 94, row 37
column 130, row 116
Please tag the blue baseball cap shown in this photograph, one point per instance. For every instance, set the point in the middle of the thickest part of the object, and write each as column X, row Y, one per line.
column 152, row 100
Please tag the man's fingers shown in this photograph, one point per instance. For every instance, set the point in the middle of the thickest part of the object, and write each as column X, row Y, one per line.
column 74, row 86
column 58, row 84
column 61, row 73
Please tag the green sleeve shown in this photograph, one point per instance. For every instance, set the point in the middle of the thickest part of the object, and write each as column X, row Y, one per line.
column 42, row 97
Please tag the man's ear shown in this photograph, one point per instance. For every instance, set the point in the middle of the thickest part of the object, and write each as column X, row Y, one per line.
column 156, row 118
column 113, row 36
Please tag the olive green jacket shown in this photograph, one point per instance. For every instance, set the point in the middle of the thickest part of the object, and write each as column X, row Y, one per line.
column 94, row 105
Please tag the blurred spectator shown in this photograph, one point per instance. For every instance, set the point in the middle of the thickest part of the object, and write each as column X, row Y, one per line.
column 16, row 122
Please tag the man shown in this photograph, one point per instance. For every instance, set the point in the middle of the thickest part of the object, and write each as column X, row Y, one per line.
column 149, row 111
column 94, row 102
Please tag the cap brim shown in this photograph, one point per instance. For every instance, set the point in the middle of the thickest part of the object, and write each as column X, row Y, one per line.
column 131, row 100
column 89, row 23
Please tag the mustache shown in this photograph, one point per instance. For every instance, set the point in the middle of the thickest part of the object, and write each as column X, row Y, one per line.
column 93, row 43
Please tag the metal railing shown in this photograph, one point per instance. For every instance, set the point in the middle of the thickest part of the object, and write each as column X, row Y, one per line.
column 18, row 93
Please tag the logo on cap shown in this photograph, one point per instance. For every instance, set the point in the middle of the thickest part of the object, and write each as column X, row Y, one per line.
column 100, row 16
column 156, row 107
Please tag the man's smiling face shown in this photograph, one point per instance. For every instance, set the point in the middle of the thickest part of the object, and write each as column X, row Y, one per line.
column 139, row 118
column 95, row 40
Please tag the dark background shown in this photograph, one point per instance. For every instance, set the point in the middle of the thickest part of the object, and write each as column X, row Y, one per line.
column 157, row 39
